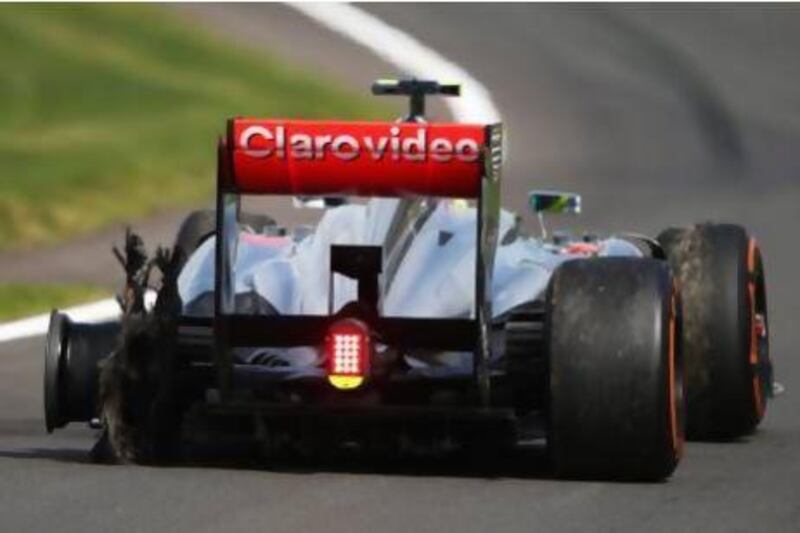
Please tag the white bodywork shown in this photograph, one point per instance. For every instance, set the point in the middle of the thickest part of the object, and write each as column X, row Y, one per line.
column 434, row 278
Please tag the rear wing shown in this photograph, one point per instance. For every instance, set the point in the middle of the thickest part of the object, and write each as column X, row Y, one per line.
column 390, row 159
column 314, row 158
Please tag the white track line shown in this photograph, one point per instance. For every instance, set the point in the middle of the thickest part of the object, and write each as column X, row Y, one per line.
column 91, row 312
column 407, row 54
column 37, row 325
column 390, row 44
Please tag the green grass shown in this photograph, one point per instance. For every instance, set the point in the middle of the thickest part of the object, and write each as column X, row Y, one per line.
column 21, row 300
column 110, row 112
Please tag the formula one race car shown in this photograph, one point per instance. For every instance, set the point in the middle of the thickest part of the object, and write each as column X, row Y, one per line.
column 421, row 315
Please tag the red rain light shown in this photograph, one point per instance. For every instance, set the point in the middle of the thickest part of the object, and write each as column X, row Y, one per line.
column 348, row 351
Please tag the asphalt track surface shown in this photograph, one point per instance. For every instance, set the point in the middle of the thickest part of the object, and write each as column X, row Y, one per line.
column 658, row 116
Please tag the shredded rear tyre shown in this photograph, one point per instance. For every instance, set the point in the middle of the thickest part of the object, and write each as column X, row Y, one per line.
column 139, row 402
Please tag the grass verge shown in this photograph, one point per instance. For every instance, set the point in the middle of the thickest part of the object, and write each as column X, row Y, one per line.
column 111, row 111
column 21, row 300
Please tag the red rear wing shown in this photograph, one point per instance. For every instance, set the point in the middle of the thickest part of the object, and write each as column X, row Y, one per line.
column 316, row 158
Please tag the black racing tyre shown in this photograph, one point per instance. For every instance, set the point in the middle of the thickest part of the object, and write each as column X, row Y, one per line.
column 74, row 353
column 725, row 337
column 201, row 224
column 54, row 411
column 615, row 398
column 195, row 228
